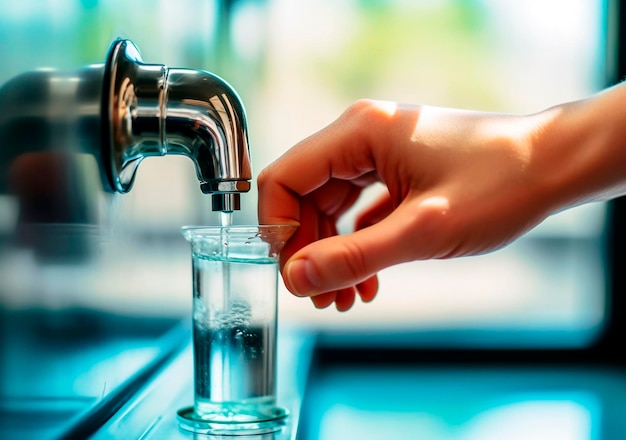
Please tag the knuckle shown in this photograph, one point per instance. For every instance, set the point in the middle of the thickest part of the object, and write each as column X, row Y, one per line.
column 263, row 177
column 436, row 228
column 354, row 259
column 363, row 110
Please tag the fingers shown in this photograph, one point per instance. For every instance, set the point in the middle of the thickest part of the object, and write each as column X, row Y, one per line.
column 312, row 185
column 344, row 298
column 367, row 289
column 343, row 261
column 314, row 226
column 322, row 228
column 375, row 212
column 324, row 300
column 341, row 151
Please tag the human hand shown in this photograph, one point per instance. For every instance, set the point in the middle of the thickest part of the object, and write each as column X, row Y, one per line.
column 459, row 183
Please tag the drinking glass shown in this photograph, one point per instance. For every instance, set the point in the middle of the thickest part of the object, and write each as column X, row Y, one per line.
column 235, row 286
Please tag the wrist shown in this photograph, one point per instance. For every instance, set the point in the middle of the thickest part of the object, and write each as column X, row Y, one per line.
column 579, row 149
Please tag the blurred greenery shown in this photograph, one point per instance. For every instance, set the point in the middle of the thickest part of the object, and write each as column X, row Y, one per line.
column 410, row 44
column 95, row 26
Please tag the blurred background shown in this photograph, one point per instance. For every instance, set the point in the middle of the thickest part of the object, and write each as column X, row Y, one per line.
column 297, row 66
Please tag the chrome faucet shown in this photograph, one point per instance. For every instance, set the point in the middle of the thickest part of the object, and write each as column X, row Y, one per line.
column 153, row 110
column 120, row 112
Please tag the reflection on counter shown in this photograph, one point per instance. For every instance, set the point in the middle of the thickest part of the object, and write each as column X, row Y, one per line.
column 475, row 403
column 67, row 372
column 152, row 412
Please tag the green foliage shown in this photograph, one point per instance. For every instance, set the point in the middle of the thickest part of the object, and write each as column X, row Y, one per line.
column 412, row 44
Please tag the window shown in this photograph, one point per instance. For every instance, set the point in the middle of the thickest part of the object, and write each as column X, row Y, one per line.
column 517, row 57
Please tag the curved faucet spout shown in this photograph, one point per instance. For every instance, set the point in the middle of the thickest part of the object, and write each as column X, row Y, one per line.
column 205, row 120
column 152, row 110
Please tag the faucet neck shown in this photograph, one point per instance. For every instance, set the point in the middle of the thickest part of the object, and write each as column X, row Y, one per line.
column 153, row 110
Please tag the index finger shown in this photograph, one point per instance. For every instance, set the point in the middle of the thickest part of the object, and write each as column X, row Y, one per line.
column 342, row 150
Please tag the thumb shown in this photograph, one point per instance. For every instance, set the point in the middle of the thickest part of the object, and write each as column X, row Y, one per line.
column 343, row 261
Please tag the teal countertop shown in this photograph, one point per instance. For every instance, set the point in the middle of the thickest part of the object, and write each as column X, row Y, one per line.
column 151, row 414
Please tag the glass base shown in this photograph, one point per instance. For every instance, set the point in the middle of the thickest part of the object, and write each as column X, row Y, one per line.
column 189, row 420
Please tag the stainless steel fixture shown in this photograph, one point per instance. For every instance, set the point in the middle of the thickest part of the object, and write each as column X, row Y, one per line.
column 119, row 113
column 153, row 110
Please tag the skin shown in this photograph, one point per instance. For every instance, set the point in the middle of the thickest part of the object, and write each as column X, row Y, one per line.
column 459, row 183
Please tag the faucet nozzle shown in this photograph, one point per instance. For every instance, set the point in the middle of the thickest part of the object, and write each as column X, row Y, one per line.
column 225, row 202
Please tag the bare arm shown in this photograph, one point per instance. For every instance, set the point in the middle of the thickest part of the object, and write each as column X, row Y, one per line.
column 459, row 183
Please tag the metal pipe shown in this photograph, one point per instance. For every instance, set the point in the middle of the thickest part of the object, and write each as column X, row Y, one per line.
column 153, row 110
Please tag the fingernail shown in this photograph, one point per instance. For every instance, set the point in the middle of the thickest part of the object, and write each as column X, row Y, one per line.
column 302, row 276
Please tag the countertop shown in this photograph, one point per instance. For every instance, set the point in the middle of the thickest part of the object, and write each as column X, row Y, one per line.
column 151, row 413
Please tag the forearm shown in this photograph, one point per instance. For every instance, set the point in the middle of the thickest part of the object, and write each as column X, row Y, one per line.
column 579, row 149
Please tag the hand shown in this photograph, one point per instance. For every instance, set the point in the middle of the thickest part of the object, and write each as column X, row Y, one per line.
column 459, row 183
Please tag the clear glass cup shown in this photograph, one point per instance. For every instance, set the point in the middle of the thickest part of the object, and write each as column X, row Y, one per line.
column 235, row 287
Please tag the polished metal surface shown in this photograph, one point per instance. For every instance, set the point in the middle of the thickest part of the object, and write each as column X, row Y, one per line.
column 154, row 110
column 105, row 119
column 47, row 118
column 226, row 202
column 50, row 151
column 70, row 139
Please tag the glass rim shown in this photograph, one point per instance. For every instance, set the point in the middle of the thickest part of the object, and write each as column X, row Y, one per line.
column 236, row 228
column 283, row 231
column 213, row 227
